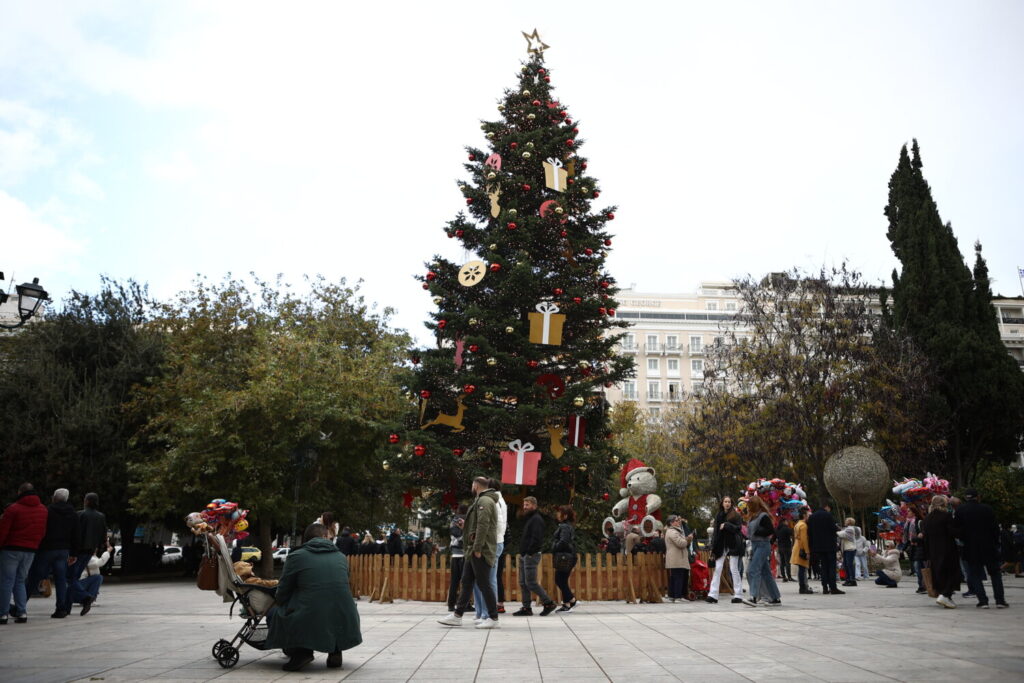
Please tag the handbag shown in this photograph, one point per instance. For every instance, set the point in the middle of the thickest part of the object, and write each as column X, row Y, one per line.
column 206, row 580
column 926, row 576
column 565, row 561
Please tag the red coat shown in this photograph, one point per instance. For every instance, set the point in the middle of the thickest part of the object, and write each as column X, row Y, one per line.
column 637, row 509
column 23, row 523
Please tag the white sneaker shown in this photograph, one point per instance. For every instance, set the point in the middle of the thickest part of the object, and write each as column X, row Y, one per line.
column 945, row 602
column 478, row 620
column 450, row 620
column 488, row 623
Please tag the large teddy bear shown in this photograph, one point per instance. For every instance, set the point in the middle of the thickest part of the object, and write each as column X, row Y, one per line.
column 640, row 505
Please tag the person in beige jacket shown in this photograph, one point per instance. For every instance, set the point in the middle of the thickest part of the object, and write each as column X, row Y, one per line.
column 677, row 558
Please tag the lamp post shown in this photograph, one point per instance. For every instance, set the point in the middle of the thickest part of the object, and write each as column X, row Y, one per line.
column 30, row 297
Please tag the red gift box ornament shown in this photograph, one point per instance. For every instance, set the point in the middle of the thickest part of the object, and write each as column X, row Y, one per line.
column 577, row 430
column 519, row 464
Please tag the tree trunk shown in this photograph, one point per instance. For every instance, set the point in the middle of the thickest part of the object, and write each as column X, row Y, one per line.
column 265, row 546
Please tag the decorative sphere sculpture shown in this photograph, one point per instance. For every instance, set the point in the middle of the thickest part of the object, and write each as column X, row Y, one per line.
column 857, row 477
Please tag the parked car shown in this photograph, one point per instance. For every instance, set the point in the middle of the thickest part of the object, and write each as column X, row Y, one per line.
column 251, row 554
column 172, row 555
column 117, row 557
column 280, row 555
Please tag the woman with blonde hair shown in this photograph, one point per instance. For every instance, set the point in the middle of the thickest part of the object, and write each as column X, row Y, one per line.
column 759, row 573
column 848, row 537
column 939, row 529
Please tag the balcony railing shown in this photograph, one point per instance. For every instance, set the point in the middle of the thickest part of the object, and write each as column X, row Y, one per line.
column 695, row 349
column 653, row 395
column 1012, row 321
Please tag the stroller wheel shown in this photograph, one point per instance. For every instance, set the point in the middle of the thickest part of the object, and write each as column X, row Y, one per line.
column 218, row 646
column 228, row 656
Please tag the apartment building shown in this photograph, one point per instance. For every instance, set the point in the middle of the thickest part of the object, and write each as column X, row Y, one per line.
column 669, row 334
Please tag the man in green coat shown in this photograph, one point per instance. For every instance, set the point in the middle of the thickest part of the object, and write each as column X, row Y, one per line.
column 314, row 607
column 480, row 535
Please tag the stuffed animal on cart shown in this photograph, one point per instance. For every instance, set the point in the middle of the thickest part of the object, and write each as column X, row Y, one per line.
column 195, row 522
column 245, row 573
column 639, row 505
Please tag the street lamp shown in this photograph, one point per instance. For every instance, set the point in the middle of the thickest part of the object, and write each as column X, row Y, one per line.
column 30, row 297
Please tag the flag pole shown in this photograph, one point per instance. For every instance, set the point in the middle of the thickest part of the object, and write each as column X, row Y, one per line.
column 1020, row 276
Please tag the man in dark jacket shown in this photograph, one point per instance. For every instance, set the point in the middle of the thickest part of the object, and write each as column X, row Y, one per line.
column 92, row 534
column 980, row 535
column 821, row 536
column 346, row 544
column 529, row 559
column 784, row 539
column 395, row 542
column 481, row 547
column 55, row 550
column 22, row 527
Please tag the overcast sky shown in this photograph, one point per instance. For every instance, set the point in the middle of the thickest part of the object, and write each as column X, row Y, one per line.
column 163, row 139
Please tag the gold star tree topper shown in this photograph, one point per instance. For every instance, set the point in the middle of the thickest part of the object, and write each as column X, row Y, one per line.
column 534, row 45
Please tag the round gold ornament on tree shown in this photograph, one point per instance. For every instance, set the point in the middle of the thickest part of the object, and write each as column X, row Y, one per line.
column 509, row 329
column 492, row 175
column 437, row 300
column 472, row 273
column 531, row 116
column 492, row 361
column 386, row 465
column 527, row 155
column 578, row 401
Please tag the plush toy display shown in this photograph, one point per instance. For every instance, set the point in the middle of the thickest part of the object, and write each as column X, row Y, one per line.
column 244, row 572
column 915, row 496
column 220, row 517
column 782, row 498
column 639, row 503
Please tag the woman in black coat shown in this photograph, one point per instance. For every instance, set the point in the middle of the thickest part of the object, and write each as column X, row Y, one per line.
column 939, row 529
column 727, row 545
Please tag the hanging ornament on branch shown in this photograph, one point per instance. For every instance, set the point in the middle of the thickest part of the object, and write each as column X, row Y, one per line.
column 553, row 383
column 554, row 175
column 472, row 273
column 493, row 193
column 519, row 464
column 577, row 430
column 447, row 420
column 493, row 161
column 555, row 434
column 546, row 324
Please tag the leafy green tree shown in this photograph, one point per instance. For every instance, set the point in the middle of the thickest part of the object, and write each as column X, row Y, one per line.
column 977, row 397
column 270, row 398
column 64, row 381
column 531, row 228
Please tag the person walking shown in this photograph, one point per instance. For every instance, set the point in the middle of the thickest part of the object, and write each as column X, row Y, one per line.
column 915, row 538
column 92, row 534
column 821, row 536
column 481, row 542
column 677, row 558
column 784, row 542
column 22, row 527
column 54, row 554
column 848, row 536
column 801, row 555
column 939, row 529
column 727, row 545
column 529, row 559
column 759, row 572
column 502, row 532
column 977, row 528
column 457, row 556
column 564, row 548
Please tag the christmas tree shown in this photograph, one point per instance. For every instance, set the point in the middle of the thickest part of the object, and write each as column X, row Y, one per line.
column 525, row 324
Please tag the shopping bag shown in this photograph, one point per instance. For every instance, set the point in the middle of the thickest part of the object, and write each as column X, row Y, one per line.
column 207, row 577
column 926, row 576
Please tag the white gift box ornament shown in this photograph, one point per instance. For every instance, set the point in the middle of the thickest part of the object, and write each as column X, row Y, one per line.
column 519, row 464
column 554, row 175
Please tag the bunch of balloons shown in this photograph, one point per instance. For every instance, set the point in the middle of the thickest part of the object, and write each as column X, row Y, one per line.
column 783, row 498
column 916, row 491
column 225, row 518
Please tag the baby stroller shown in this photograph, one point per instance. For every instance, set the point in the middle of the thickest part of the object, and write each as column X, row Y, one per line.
column 700, row 579
column 255, row 602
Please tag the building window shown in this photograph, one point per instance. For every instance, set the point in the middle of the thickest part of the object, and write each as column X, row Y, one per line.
column 652, row 342
column 730, row 305
column 697, row 367
column 698, row 388
column 696, row 344
column 673, row 391
column 719, row 341
column 712, row 305
column 655, row 413
column 629, row 390
column 652, row 365
column 629, row 341
column 673, row 365
column 672, row 341
column 654, row 391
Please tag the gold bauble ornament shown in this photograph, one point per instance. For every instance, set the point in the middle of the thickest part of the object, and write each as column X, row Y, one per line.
column 584, row 364
column 492, row 175
column 513, row 212
column 473, row 321
column 493, row 247
column 501, row 107
column 523, row 69
column 615, row 460
column 527, row 155
column 490, row 136
column 531, row 116
column 583, row 467
column 559, row 210
column 509, row 329
column 386, row 465
column 481, row 449
column 483, row 126
column 526, row 92
column 492, row 361
column 578, row 401
column 438, row 300
column 529, row 145
column 489, row 396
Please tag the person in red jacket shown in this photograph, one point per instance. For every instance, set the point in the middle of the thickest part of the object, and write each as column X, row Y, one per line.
column 22, row 527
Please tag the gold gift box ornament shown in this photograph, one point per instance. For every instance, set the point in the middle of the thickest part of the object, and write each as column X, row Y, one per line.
column 546, row 324
column 555, row 176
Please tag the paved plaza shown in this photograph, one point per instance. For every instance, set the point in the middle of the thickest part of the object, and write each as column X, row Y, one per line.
column 164, row 631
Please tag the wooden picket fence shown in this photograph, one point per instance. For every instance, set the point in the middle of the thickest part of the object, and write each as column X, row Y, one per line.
column 597, row 576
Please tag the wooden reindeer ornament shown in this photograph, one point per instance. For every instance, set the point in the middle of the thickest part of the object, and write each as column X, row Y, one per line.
column 493, row 193
column 453, row 421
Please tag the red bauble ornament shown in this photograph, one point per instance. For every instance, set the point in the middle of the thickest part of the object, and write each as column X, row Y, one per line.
column 457, row 452
column 575, row 131
column 536, row 103
column 558, row 291
column 415, row 360
column 570, row 143
column 564, row 233
column 605, row 284
column 563, row 114
column 419, row 449
column 611, row 312
column 442, row 323
column 431, row 276
column 602, row 310
column 469, row 388
column 577, row 300
column 604, row 296
column 568, row 122
column 451, row 235
column 469, row 200
column 584, row 166
column 472, row 157
column 547, row 79
column 495, row 267
column 605, row 496
column 426, row 286
column 526, row 188
column 611, row 216
column 512, row 226
column 393, row 438
column 473, row 348
column 425, row 393
column 460, row 233
column 608, row 243
column 570, row 181
column 532, row 363
column 588, row 251
column 565, row 468
column 513, row 145
column 542, row 70
column 596, row 194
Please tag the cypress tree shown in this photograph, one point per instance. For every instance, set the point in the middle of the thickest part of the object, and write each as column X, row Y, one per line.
column 978, row 391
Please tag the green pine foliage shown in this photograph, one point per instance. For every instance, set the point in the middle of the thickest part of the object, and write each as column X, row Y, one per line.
column 946, row 309
column 537, row 245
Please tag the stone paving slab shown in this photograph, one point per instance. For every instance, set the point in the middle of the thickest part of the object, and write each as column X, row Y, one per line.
column 164, row 632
